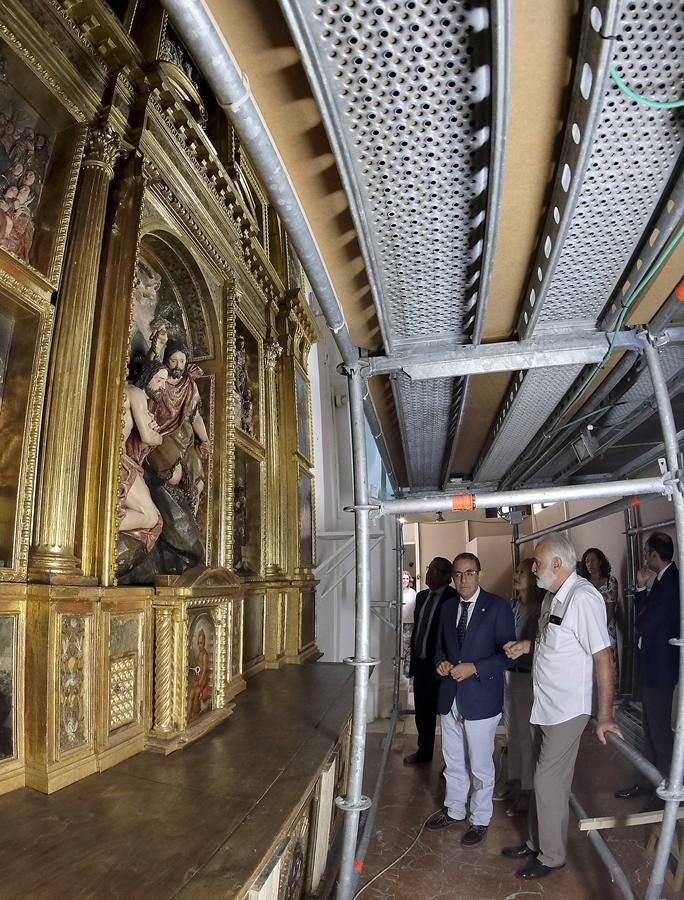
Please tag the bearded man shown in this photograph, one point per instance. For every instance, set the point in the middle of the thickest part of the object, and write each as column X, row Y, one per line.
column 178, row 462
column 572, row 644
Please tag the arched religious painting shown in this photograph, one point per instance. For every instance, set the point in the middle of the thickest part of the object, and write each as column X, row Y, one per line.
column 200, row 666
column 165, row 472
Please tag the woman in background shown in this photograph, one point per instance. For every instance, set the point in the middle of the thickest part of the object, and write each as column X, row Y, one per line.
column 408, row 602
column 596, row 569
column 527, row 601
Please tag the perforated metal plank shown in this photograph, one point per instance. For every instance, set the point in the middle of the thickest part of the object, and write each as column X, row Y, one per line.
column 633, row 155
column 402, row 88
column 522, row 415
column 423, row 408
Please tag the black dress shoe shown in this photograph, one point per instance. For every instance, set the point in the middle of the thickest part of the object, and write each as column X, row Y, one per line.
column 474, row 835
column 636, row 790
column 415, row 759
column 440, row 819
column 534, row 869
column 520, row 851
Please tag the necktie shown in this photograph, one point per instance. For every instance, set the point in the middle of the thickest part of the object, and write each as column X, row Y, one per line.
column 462, row 622
column 424, row 626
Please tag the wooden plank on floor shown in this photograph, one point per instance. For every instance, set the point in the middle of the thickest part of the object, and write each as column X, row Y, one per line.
column 644, row 818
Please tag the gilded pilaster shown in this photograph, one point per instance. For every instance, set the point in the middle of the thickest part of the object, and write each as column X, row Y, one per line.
column 275, row 563
column 102, row 447
column 55, row 523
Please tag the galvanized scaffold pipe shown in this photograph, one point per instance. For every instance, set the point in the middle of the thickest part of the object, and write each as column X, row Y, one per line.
column 494, row 499
column 354, row 802
column 673, row 794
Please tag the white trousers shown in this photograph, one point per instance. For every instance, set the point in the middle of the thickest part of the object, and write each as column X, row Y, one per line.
column 468, row 751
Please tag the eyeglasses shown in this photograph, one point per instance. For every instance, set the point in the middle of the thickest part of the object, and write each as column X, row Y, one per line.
column 469, row 573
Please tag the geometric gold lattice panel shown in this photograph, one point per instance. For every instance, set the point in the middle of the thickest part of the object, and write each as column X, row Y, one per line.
column 121, row 691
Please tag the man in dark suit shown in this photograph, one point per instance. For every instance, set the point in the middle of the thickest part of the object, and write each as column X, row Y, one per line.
column 657, row 622
column 470, row 661
column 422, row 668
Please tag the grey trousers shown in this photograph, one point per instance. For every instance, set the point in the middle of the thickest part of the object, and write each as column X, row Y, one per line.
column 555, row 751
column 518, row 707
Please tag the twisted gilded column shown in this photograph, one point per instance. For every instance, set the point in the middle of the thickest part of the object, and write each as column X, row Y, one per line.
column 274, row 560
column 163, row 668
column 53, row 552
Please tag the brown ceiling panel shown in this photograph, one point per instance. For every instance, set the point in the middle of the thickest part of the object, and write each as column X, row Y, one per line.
column 543, row 45
column 486, row 395
column 260, row 41
column 380, row 389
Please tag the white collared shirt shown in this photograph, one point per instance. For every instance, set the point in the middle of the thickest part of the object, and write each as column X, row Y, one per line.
column 471, row 605
column 572, row 627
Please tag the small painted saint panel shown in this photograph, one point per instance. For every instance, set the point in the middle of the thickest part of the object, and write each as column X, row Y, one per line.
column 6, row 331
column 201, row 640
column 303, row 393
column 72, row 682
column 26, row 143
column 246, row 515
column 246, row 395
column 253, row 633
column 19, row 331
column 305, row 520
column 8, row 636
column 164, row 474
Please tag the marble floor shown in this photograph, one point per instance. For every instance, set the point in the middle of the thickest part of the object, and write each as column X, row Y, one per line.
column 439, row 868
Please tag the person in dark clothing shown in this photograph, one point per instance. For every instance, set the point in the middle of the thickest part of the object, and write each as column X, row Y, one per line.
column 657, row 622
column 422, row 667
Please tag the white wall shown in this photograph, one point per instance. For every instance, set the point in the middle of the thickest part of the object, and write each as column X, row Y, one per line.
column 335, row 606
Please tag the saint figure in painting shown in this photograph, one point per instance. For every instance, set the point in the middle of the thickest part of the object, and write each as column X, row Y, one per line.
column 200, row 689
column 178, row 461
column 137, row 513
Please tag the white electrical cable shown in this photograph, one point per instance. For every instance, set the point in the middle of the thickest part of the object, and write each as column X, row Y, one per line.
column 399, row 858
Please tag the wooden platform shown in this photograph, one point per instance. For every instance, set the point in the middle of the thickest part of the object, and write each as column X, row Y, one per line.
column 194, row 824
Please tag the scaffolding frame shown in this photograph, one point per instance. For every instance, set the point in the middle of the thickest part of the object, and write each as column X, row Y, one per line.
column 198, row 31
column 670, row 484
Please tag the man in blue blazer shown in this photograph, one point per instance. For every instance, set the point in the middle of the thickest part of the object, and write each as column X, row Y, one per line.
column 422, row 665
column 657, row 621
column 470, row 661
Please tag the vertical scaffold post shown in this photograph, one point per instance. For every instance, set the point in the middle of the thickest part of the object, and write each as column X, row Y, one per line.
column 354, row 802
column 672, row 793
column 628, row 643
column 399, row 619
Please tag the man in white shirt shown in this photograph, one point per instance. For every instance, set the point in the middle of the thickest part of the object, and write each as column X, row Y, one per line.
column 572, row 639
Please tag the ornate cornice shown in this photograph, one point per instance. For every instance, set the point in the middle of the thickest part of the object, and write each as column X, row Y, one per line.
column 46, row 77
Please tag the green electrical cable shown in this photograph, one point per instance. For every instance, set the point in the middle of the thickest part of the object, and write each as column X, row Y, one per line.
column 594, row 412
column 644, row 101
column 618, row 324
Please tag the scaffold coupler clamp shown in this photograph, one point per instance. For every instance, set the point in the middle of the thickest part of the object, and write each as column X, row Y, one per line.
column 357, row 661
column 359, row 805
column 359, row 367
column 374, row 509
column 675, row 793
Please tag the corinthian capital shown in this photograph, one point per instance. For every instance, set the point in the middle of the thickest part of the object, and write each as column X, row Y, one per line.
column 101, row 148
column 272, row 353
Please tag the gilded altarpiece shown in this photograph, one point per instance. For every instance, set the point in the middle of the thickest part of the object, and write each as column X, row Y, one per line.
column 155, row 542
